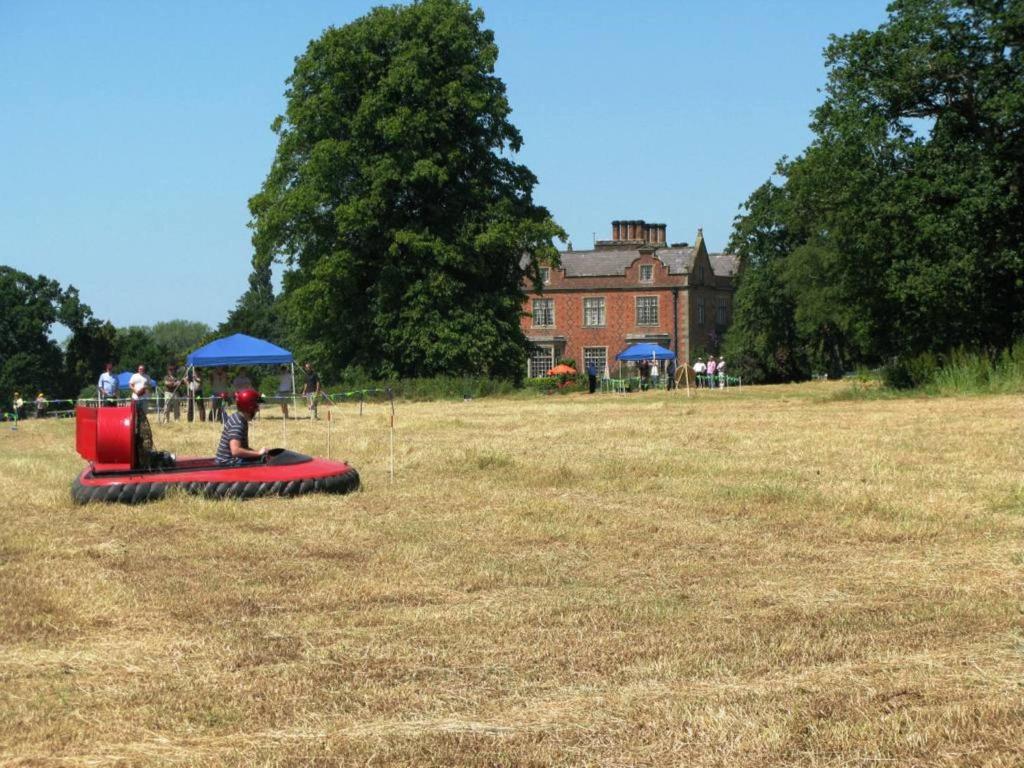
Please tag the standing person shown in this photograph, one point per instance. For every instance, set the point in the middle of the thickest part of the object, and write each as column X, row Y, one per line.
column 241, row 381
column 698, row 371
column 234, row 437
column 311, row 389
column 284, row 389
column 106, row 387
column 139, row 385
column 40, row 405
column 645, row 374
column 172, row 402
column 592, row 376
column 195, row 394
column 712, row 367
column 19, row 406
column 219, row 383
column 654, row 373
column 670, row 374
column 721, row 372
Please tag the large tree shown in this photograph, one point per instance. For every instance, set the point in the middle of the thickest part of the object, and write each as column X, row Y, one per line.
column 905, row 216
column 406, row 227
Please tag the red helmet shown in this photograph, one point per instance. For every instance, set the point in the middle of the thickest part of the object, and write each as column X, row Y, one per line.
column 248, row 401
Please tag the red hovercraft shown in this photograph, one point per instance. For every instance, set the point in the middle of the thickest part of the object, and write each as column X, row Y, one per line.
column 107, row 439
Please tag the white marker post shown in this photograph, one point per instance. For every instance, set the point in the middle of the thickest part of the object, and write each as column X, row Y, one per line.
column 391, row 399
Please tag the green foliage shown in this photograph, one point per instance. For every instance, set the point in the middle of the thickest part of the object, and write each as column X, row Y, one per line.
column 406, row 229
column 256, row 313
column 135, row 346
column 179, row 337
column 433, row 388
column 900, row 230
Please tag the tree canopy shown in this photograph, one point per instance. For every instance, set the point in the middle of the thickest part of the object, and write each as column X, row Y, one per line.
column 899, row 230
column 406, row 227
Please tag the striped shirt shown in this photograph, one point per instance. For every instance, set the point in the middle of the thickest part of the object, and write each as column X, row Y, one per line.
column 235, row 428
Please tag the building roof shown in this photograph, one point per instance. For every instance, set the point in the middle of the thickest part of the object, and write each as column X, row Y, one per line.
column 724, row 264
column 605, row 262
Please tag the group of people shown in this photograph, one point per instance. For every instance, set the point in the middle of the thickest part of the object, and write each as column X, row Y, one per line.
column 650, row 374
column 19, row 408
column 178, row 387
column 710, row 374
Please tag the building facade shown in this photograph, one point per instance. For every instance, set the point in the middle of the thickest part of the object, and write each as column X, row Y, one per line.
column 634, row 288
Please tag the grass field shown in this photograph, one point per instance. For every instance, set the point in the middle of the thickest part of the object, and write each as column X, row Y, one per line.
column 761, row 577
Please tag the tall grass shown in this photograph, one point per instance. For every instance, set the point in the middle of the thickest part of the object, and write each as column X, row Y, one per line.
column 961, row 371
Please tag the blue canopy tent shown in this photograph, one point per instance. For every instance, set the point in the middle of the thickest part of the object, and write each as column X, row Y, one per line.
column 639, row 352
column 241, row 350
column 646, row 352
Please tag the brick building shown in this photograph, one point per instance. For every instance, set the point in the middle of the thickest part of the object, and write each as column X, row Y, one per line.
column 633, row 288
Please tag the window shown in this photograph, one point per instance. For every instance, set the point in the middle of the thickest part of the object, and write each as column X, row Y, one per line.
column 545, row 275
column 700, row 273
column 700, row 311
column 593, row 312
column 646, row 273
column 720, row 314
column 542, row 360
column 543, row 313
column 646, row 310
column 596, row 355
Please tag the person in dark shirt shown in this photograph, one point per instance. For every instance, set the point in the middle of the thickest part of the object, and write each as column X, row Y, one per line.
column 311, row 389
column 234, row 437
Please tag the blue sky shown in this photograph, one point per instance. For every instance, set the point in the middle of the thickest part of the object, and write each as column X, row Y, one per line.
column 132, row 134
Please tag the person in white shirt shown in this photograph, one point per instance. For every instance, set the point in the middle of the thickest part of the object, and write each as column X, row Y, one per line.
column 654, row 374
column 139, row 385
column 721, row 372
column 699, row 369
column 106, row 387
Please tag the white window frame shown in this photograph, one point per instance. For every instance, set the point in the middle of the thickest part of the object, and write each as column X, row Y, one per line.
column 604, row 359
column 657, row 310
column 533, row 313
column 603, row 312
column 545, row 352
column 649, row 269
column 545, row 275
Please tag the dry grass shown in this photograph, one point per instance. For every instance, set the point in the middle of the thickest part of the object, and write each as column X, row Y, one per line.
column 765, row 577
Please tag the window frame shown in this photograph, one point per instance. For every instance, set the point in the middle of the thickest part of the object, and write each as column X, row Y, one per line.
column 604, row 354
column 604, row 312
column 650, row 276
column 657, row 311
column 545, row 275
column 549, row 349
column 533, row 313
column 700, row 312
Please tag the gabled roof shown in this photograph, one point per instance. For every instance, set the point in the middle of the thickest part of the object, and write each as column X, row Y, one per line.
column 724, row 264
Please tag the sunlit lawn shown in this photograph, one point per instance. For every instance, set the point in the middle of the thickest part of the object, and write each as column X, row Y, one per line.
column 753, row 577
